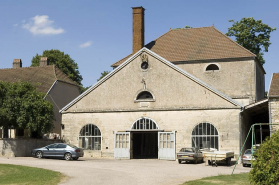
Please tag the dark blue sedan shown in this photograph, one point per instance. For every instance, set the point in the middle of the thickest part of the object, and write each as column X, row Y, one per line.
column 59, row 150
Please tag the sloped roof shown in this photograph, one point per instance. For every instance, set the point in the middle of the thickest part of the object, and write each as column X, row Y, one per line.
column 130, row 59
column 274, row 86
column 195, row 44
column 41, row 77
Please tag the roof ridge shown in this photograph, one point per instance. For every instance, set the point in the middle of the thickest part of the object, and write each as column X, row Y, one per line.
column 72, row 81
column 158, row 37
column 175, row 29
column 234, row 42
column 24, row 67
column 54, row 70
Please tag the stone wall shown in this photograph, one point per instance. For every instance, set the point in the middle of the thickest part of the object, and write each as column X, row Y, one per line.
column 235, row 77
column 23, row 147
column 226, row 122
column 274, row 113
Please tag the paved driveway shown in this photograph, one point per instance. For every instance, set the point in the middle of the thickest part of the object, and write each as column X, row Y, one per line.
column 124, row 172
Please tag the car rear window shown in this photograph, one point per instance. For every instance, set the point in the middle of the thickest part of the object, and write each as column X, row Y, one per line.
column 187, row 150
column 73, row 146
column 248, row 152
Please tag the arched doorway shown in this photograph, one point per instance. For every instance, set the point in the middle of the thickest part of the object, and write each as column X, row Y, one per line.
column 144, row 138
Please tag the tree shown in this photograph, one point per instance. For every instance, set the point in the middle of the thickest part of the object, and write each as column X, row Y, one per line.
column 103, row 74
column 23, row 107
column 63, row 61
column 265, row 168
column 252, row 34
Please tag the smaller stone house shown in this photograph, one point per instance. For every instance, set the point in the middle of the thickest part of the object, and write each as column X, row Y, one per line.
column 273, row 102
column 59, row 89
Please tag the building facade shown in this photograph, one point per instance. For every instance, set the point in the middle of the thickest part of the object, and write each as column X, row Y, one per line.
column 187, row 88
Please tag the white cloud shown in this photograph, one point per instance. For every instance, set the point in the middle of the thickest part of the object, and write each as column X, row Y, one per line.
column 41, row 25
column 15, row 25
column 86, row 44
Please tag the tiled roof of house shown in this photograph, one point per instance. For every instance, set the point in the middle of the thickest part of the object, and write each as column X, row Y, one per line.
column 41, row 77
column 274, row 86
column 195, row 44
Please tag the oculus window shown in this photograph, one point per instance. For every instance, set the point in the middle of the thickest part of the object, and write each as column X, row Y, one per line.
column 205, row 135
column 90, row 137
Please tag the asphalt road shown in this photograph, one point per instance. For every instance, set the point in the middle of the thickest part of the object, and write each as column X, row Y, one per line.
column 125, row 172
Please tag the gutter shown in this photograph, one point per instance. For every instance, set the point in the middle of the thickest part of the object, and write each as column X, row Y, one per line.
column 50, row 89
column 239, row 127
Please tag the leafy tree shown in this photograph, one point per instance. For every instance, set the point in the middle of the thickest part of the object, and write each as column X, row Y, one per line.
column 252, row 34
column 23, row 107
column 103, row 74
column 63, row 61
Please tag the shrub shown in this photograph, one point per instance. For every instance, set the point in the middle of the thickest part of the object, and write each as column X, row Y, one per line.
column 266, row 166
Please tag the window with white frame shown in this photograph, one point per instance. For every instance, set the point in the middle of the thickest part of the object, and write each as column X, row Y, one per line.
column 90, row 137
column 205, row 135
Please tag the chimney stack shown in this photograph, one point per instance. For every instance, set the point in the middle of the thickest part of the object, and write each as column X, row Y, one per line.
column 17, row 63
column 138, row 28
column 43, row 61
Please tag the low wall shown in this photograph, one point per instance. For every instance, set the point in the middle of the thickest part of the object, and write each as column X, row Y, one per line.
column 23, row 147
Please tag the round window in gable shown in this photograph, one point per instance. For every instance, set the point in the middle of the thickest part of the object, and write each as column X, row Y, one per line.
column 212, row 67
column 145, row 95
column 144, row 65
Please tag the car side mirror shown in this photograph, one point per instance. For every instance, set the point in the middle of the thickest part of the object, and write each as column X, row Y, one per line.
column 46, row 147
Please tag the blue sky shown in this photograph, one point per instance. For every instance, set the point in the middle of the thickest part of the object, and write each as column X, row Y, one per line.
column 98, row 33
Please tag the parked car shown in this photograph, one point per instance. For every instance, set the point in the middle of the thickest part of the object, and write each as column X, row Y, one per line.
column 189, row 154
column 247, row 158
column 59, row 150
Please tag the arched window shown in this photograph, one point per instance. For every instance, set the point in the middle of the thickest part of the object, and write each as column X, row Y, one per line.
column 144, row 124
column 90, row 137
column 144, row 95
column 212, row 67
column 205, row 135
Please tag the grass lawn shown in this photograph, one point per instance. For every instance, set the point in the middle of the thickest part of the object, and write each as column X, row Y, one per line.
column 14, row 174
column 241, row 179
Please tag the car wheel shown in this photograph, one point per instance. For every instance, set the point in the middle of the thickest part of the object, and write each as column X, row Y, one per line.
column 209, row 162
column 179, row 161
column 75, row 158
column 68, row 156
column 243, row 165
column 39, row 154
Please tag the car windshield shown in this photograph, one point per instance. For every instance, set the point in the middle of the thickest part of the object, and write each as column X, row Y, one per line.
column 73, row 146
column 187, row 150
column 248, row 152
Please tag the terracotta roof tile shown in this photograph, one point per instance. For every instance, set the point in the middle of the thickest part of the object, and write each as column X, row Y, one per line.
column 274, row 85
column 41, row 77
column 195, row 44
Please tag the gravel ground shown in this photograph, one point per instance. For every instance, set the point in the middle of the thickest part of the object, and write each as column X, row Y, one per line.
column 105, row 171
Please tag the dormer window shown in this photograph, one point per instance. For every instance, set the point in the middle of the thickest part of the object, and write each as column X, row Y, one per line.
column 212, row 67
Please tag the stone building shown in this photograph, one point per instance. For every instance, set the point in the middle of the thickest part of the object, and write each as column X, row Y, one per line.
column 59, row 89
column 189, row 87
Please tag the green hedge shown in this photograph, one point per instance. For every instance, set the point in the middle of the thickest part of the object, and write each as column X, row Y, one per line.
column 266, row 166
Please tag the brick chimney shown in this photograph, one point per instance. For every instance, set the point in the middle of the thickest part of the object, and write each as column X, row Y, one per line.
column 17, row 63
column 43, row 61
column 138, row 28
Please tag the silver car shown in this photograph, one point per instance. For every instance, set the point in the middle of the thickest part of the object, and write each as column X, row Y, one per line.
column 247, row 158
column 59, row 150
column 189, row 154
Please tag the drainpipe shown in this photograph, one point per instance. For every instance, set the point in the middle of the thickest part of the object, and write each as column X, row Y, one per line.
column 239, row 127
